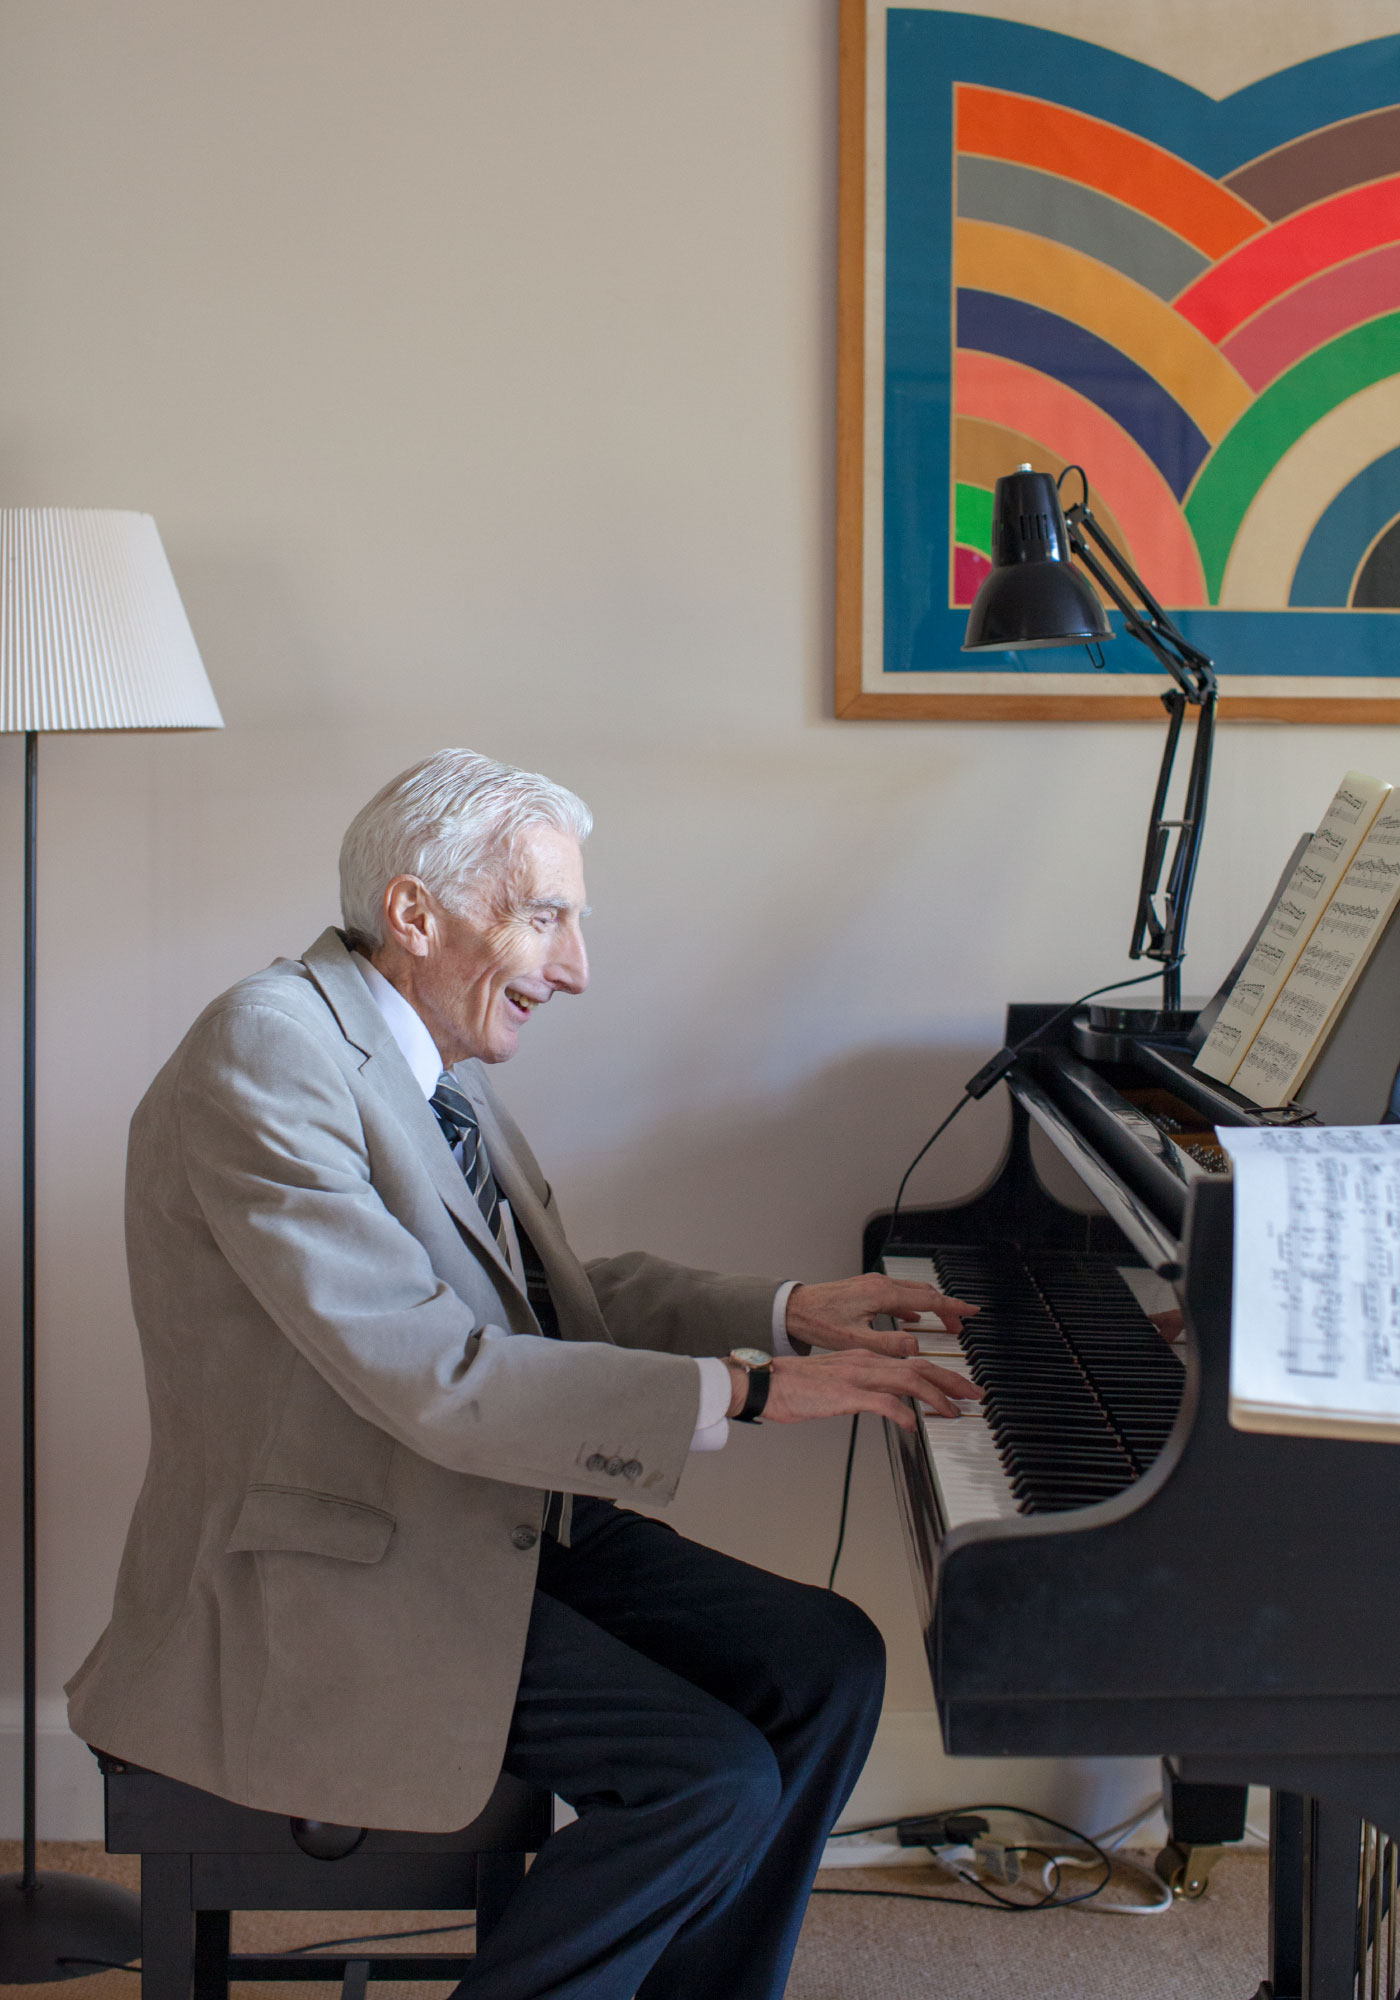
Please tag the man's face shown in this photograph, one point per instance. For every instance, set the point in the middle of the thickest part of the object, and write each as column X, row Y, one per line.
column 519, row 943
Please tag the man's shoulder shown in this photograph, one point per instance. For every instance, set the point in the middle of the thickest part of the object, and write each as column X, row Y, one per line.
column 284, row 987
column 284, row 1005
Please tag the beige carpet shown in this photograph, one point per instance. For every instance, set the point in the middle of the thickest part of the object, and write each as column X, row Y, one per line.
column 852, row 1948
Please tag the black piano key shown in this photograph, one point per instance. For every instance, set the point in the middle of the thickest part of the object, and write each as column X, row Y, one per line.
column 1081, row 1391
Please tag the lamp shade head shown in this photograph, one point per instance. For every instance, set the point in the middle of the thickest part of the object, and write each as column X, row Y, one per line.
column 1033, row 595
column 92, row 631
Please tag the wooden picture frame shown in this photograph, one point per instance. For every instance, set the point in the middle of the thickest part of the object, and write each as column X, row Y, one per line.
column 923, row 88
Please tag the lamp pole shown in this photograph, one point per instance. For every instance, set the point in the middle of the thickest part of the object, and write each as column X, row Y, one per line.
column 28, row 1398
column 93, row 637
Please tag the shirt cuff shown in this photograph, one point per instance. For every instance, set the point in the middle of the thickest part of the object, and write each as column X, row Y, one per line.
column 781, row 1343
column 711, row 1422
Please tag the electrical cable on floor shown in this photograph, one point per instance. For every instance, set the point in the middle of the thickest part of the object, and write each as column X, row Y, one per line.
column 912, row 1828
column 375, row 1937
column 1093, row 1908
column 300, row 1950
column 1113, row 1837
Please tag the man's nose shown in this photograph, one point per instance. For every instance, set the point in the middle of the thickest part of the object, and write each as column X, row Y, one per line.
column 568, row 965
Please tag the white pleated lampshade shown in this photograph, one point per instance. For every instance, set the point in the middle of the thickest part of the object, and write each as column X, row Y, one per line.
column 92, row 631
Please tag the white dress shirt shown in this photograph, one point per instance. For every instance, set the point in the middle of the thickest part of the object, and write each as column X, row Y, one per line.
column 421, row 1054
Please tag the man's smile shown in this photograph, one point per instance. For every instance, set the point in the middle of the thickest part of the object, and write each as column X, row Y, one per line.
column 524, row 1003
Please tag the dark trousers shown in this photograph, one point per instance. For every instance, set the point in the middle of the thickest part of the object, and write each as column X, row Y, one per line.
column 707, row 1722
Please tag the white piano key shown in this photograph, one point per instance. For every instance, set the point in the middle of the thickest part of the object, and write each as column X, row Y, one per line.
column 968, row 1475
column 970, row 1478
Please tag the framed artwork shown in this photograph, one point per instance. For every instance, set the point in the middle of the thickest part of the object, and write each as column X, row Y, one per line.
column 1055, row 253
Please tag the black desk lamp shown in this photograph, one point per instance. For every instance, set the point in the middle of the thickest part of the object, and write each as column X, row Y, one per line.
column 1034, row 596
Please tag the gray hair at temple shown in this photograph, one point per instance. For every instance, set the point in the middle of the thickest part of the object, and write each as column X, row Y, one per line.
column 453, row 817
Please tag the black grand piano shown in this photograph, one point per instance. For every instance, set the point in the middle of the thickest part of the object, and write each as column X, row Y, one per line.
column 1105, row 1566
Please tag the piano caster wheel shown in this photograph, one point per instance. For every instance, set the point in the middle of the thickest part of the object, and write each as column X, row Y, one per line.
column 1186, row 1870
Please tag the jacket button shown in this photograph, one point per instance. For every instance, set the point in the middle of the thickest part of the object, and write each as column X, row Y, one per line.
column 614, row 1467
column 597, row 1463
column 632, row 1469
column 524, row 1538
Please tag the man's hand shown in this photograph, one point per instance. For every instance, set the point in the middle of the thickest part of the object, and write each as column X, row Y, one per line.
column 839, row 1385
column 838, row 1315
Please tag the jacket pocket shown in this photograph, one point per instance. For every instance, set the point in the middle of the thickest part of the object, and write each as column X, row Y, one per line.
column 296, row 1521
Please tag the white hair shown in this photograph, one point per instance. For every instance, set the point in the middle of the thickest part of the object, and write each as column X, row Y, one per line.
column 451, row 818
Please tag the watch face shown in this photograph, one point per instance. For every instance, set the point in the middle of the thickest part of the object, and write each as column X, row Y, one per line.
column 751, row 1357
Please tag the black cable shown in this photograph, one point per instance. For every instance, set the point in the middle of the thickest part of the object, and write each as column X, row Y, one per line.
column 300, row 1950
column 918, row 1896
column 992, row 1072
column 1051, row 1900
column 976, row 1087
column 845, row 1501
column 376, row 1937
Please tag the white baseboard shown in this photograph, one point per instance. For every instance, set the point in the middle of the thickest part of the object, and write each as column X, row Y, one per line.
column 69, row 1801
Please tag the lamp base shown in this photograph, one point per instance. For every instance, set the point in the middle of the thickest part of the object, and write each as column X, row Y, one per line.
column 64, row 1926
column 1107, row 1034
column 1157, row 1023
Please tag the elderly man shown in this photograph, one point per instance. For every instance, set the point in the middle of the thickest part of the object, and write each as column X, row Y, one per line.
column 378, row 1555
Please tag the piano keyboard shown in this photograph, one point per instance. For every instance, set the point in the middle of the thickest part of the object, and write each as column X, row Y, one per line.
column 1081, row 1391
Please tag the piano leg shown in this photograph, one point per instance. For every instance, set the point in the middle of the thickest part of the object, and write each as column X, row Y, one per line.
column 1286, row 1820
column 1330, row 1903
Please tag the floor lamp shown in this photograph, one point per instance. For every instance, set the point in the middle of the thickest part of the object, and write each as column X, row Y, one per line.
column 93, row 636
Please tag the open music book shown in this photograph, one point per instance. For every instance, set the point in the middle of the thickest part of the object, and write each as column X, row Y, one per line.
column 1310, row 953
column 1315, row 1340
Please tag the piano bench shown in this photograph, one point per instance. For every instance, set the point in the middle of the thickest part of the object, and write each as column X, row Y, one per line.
column 203, row 1857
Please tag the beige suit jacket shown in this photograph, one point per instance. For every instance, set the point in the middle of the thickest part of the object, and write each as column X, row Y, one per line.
column 322, row 1605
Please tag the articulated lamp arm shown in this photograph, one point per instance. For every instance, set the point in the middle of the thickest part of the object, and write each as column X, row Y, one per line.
column 1159, row 934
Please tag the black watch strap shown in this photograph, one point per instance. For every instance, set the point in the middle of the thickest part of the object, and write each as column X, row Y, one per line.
column 756, row 1399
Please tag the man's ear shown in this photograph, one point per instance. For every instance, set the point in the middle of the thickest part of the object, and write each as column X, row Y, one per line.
column 410, row 916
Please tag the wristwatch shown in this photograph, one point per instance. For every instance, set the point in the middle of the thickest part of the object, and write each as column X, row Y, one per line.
column 758, row 1366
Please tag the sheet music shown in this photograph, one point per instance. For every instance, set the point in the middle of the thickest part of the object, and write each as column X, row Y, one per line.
column 1344, row 826
column 1345, row 935
column 1315, row 1345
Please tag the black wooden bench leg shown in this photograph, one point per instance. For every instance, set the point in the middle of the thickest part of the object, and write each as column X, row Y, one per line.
column 167, row 1928
column 212, row 1931
column 498, row 1876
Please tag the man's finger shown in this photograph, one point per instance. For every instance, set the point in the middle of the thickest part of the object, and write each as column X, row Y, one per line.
column 933, row 1398
column 913, row 1294
column 889, row 1340
column 895, row 1410
column 958, row 1385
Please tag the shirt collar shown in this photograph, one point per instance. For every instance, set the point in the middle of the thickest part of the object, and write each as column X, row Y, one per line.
column 418, row 1048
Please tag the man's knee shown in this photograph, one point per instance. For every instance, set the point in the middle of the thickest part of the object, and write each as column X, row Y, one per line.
column 736, row 1784
column 839, row 1656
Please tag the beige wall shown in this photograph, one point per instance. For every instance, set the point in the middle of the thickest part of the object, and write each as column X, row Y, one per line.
column 476, row 360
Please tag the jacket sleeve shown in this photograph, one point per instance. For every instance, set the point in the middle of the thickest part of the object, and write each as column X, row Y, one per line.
column 647, row 1302
column 276, row 1157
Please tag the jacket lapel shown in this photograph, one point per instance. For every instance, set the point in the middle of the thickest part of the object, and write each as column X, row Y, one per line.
column 568, row 1282
column 365, row 1028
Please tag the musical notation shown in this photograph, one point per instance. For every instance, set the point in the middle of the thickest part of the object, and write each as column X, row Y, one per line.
column 1316, row 1329
column 1306, row 895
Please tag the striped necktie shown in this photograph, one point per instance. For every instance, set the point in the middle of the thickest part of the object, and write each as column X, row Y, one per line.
column 453, row 1111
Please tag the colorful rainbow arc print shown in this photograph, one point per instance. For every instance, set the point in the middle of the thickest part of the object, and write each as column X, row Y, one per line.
column 1223, row 353
column 1197, row 299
